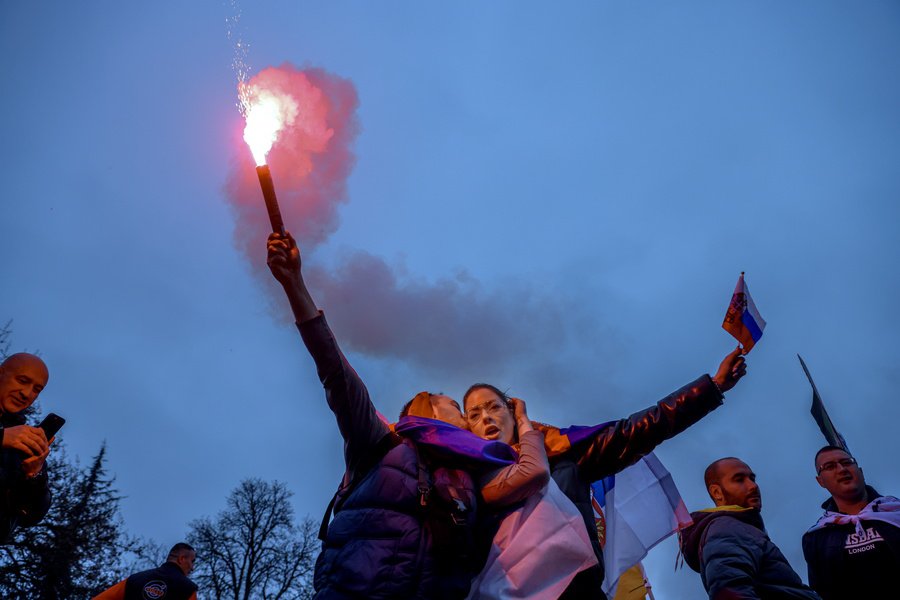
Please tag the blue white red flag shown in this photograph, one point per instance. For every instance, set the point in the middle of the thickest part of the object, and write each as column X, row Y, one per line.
column 638, row 508
column 742, row 320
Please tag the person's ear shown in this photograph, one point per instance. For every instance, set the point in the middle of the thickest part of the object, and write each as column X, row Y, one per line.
column 819, row 481
column 716, row 493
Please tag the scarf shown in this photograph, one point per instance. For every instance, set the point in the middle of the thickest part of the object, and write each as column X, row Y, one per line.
column 883, row 508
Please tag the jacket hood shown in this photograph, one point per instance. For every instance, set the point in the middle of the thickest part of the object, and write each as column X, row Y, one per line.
column 691, row 538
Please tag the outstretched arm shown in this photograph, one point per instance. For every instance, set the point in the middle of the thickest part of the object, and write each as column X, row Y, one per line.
column 624, row 442
column 345, row 392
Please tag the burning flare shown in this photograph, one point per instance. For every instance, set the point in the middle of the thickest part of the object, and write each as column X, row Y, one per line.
column 267, row 113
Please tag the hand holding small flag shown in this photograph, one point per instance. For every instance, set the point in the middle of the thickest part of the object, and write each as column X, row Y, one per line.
column 742, row 320
column 730, row 371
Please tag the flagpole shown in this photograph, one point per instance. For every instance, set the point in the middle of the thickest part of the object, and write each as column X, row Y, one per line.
column 808, row 376
column 826, row 426
column 647, row 585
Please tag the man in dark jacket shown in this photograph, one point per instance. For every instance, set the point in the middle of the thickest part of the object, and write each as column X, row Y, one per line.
column 728, row 545
column 616, row 446
column 24, row 492
column 853, row 550
column 169, row 581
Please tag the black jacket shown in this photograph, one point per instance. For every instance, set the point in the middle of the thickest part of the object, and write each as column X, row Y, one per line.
column 23, row 501
column 618, row 446
column 166, row 582
column 841, row 564
column 736, row 560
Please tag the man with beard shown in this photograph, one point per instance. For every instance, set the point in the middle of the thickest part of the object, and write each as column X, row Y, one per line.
column 728, row 545
column 853, row 550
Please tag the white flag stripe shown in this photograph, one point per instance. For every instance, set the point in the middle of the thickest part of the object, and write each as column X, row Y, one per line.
column 642, row 509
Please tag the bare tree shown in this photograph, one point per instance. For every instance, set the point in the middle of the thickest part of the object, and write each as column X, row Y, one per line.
column 5, row 332
column 253, row 550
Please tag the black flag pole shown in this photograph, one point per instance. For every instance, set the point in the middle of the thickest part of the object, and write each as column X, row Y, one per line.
column 821, row 415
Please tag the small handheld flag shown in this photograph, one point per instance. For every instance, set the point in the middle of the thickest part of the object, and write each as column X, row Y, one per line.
column 742, row 320
column 821, row 416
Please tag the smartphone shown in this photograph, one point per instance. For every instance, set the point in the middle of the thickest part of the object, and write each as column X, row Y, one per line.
column 51, row 424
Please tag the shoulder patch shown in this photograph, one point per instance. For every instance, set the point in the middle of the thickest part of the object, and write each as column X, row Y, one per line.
column 155, row 590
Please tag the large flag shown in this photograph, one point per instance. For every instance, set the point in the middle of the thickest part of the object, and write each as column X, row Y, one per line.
column 742, row 320
column 821, row 415
column 537, row 551
column 638, row 508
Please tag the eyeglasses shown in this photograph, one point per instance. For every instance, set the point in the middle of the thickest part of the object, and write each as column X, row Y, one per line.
column 492, row 407
column 831, row 465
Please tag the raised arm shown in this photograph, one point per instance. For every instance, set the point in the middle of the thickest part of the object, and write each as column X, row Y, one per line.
column 284, row 263
column 528, row 475
column 625, row 441
column 345, row 392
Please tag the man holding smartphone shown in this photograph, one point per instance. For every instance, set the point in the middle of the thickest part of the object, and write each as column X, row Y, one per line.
column 24, row 493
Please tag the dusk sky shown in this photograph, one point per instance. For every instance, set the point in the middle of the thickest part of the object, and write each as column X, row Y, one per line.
column 554, row 198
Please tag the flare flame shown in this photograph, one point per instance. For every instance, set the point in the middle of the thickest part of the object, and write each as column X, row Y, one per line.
column 267, row 113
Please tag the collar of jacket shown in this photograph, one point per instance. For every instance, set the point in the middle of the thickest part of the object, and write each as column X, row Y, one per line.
column 831, row 506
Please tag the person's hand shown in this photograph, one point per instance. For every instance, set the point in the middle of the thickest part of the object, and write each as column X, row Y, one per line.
column 732, row 368
column 32, row 465
column 521, row 415
column 283, row 258
column 24, row 438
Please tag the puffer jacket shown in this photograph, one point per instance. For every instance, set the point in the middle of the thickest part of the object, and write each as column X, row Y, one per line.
column 381, row 543
column 736, row 560
column 23, row 501
column 620, row 445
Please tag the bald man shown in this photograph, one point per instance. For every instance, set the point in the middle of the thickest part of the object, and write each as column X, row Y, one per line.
column 24, row 494
column 728, row 545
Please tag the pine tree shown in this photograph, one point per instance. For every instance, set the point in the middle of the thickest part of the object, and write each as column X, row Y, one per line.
column 80, row 547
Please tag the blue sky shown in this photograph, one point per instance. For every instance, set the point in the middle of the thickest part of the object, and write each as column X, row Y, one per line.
column 588, row 179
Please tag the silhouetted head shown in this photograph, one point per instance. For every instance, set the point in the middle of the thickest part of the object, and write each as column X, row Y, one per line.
column 184, row 556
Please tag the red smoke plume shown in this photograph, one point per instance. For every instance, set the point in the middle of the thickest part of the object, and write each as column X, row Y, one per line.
column 310, row 161
column 452, row 326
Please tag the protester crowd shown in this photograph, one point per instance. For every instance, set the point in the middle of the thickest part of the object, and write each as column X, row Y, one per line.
column 459, row 502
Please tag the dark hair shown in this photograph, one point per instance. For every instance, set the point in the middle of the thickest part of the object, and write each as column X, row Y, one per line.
column 178, row 550
column 828, row 448
column 711, row 474
column 486, row 386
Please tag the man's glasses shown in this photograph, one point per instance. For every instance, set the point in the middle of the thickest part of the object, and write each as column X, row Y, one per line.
column 831, row 465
